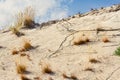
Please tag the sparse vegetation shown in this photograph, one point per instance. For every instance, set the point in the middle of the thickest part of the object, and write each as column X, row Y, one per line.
column 14, row 52
column 16, row 31
column 23, row 54
column 17, row 25
column 89, row 58
column 21, row 68
column 89, row 69
column 93, row 60
column 105, row 40
column 81, row 40
column 46, row 68
column 23, row 19
column 22, row 50
column 27, row 46
column 117, row 51
column 29, row 15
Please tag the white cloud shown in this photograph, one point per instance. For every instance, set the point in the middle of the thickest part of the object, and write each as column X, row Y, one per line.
column 59, row 14
column 45, row 9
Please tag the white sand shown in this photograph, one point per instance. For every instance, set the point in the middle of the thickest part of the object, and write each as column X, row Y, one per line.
column 69, row 59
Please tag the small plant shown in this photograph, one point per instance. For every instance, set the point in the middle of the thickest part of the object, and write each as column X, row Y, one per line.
column 80, row 41
column 29, row 15
column 27, row 46
column 14, row 52
column 22, row 50
column 105, row 40
column 23, row 77
column 23, row 19
column 18, row 24
column 16, row 31
column 46, row 68
column 89, row 69
column 93, row 60
column 23, row 54
column 21, row 69
column 117, row 51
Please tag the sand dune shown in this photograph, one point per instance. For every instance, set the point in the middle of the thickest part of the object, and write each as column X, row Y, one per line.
column 53, row 45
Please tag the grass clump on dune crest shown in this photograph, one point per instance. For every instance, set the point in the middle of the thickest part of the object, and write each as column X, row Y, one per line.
column 16, row 31
column 17, row 24
column 24, row 19
column 29, row 15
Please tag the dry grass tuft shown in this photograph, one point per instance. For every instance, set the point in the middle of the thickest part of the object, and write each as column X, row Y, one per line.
column 89, row 69
column 105, row 40
column 93, row 60
column 81, row 40
column 46, row 68
column 29, row 15
column 21, row 69
column 17, row 24
column 27, row 46
column 23, row 19
column 14, row 52
column 16, row 31
column 23, row 77
column 22, row 50
column 23, row 54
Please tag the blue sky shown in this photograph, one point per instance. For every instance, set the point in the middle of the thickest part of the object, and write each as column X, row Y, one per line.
column 85, row 5
column 48, row 9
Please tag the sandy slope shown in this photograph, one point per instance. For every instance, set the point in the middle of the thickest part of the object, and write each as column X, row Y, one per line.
column 69, row 59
